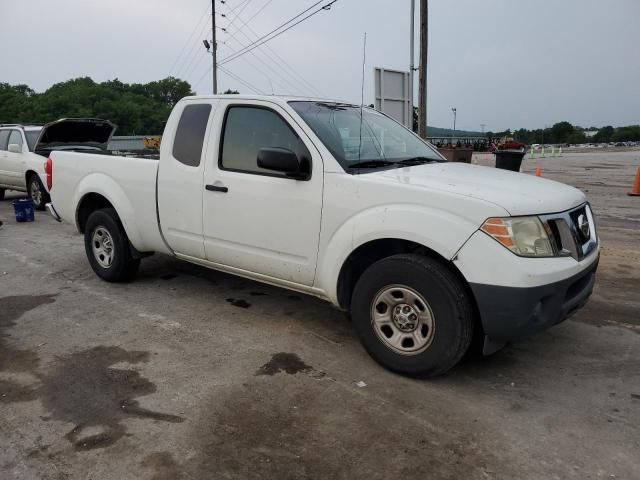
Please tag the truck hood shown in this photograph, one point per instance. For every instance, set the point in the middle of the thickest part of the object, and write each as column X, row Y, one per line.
column 517, row 193
column 77, row 132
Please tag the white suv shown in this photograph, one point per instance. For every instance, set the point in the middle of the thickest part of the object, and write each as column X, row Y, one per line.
column 21, row 168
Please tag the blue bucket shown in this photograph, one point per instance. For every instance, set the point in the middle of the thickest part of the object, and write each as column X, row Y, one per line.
column 24, row 210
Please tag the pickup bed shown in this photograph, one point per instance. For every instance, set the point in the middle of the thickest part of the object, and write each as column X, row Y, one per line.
column 341, row 202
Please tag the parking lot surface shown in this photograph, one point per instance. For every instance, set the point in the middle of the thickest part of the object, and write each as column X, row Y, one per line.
column 193, row 374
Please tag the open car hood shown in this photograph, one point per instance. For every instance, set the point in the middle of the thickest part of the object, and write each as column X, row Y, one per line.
column 80, row 132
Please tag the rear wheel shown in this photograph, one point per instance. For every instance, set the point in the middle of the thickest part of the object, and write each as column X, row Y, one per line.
column 108, row 248
column 37, row 193
column 2, row 190
column 413, row 315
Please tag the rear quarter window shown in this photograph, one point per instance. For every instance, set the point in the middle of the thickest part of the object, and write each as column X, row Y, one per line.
column 4, row 137
column 189, row 139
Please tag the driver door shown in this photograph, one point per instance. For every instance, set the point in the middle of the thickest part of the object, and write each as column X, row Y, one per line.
column 255, row 219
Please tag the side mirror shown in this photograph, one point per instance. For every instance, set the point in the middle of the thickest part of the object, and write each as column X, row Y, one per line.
column 15, row 148
column 285, row 161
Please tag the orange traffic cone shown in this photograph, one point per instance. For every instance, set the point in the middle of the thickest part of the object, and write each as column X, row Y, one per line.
column 635, row 191
column 538, row 172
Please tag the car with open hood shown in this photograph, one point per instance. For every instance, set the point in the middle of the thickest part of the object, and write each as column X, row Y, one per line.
column 24, row 148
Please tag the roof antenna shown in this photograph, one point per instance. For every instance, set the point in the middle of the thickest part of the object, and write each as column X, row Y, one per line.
column 364, row 61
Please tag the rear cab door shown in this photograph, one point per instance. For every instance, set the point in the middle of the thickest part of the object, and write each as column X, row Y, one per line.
column 180, row 176
column 258, row 220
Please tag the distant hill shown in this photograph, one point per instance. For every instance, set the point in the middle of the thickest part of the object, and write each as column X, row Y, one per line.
column 447, row 132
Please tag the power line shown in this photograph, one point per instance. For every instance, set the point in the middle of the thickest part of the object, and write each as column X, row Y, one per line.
column 233, row 10
column 267, row 37
column 252, row 17
column 281, row 74
column 290, row 84
column 190, row 65
column 204, row 15
column 282, row 61
column 243, row 82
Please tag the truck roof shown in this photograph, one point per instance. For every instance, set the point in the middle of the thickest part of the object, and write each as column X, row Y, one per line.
column 271, row 98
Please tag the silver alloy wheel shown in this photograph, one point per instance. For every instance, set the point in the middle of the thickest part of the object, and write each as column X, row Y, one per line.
column 402, row 320
column 102, row 246
column 36, row 192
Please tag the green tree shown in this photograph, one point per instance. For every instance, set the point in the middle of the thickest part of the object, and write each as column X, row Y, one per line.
column 135, row 108
column 604, row 134
column 576, row 138
column 560, row 132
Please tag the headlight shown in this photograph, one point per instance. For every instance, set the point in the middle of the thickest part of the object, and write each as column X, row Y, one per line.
column 524, row 236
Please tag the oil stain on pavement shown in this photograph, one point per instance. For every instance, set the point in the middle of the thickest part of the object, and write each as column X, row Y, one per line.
column 284, row 362
column 238, row 303
column 84, row 389
column 13, row 359
column 81, row 388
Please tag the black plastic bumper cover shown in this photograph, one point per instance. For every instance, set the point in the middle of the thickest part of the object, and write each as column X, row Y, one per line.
column 512, row 313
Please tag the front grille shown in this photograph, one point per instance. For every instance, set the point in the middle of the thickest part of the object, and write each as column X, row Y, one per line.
column 573, row 233
column 578, row 217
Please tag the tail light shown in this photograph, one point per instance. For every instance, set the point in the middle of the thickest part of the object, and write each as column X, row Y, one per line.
column 48, row 169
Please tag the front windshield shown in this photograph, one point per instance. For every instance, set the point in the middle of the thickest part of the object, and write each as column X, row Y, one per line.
column 376, row 141
column 32, row 136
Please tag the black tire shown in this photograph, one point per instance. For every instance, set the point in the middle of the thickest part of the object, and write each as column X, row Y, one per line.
column 37, row 193
column 2, row 193
column 447, row 301
column 122, row 267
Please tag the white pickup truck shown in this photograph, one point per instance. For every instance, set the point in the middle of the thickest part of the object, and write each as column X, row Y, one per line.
column 341, row 202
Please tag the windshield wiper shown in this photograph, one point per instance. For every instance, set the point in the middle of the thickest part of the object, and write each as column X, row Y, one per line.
column 417, row 161
column 371, row 164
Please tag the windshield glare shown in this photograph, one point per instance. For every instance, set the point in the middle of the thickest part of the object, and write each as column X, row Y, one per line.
column 376, row 138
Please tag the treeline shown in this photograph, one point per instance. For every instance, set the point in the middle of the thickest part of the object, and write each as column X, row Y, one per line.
column 137, row 109
column 565, row 133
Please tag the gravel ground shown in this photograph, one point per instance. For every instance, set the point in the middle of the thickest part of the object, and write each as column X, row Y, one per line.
column 193, row 374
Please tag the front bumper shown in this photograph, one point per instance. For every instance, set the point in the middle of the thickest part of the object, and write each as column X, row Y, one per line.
column 512, row 313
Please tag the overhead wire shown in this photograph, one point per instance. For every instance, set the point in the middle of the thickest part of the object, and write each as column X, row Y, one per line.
column 269, row 65
column 243, row 82
column 280, row 60
column 269, row 36
column 195, row 28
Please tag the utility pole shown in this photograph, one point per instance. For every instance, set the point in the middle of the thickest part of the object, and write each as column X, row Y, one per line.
column 482, row 125
column 214, row 47
column 424, row 40
column 412, row 55
column 454, row 110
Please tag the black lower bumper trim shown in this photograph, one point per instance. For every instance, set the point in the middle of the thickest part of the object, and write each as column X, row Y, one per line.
column 511, row 313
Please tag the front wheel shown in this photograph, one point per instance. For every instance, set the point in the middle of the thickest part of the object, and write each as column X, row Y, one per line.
column 413, row 314
column 37, row 193
column 108, row 248
column 2, row 193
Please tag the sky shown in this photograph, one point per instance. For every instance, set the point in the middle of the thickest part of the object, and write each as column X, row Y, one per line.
column 502, row 63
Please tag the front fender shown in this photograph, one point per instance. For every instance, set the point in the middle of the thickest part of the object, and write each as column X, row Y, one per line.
column 436, row 229
column 107, row 187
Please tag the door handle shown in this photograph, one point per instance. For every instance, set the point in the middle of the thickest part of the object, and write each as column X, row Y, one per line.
column 216, row 188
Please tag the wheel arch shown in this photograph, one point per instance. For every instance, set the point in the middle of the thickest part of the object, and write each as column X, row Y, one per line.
column 28, row 174
column 97, row 191
column 370, row 252
column 88, row 204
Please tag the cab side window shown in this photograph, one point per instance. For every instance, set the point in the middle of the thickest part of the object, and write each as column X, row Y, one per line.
column 4, row 137
column 246, row 130
column 188, row 143
column 15, row 137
